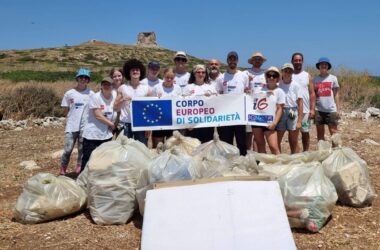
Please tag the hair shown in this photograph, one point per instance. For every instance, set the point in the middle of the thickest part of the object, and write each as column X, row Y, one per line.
column 192, row 75
column 133, row 64
column 170, row 69
column 297, row 54
column 113, row 70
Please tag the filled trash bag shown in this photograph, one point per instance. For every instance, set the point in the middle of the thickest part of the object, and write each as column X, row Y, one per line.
column 216, row 148
column 309, row 196
column 275, row 171
column 245, row 163
column 46, row 197
column 113, row 170
column 350, row 176
column 184, row 144
column 171, row 165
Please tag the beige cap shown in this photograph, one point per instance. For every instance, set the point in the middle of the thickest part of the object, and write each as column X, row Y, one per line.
column 287, row 66
column 257, row 54
column 273, row 69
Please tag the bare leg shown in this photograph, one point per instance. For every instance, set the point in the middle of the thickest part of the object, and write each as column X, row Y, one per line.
column 249, row 140
column 280, row 135
column 293, row 141
column 258, row 133
column 333, row 130
column 305, row 141
column 271, row 137
column 321, row 132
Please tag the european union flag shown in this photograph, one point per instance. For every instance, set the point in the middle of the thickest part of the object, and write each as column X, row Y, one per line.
column 151, row 113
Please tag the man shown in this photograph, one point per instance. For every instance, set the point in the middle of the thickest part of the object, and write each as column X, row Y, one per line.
column 181, row 75
column 256, row 77
column 152, row 77
column 308, row 95
column 214, row 72
column 233, row 81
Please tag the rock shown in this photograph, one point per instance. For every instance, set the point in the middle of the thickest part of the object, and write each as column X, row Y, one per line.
column 370, row 142
column 373, row 111
column 18, row 129
column 29, row 165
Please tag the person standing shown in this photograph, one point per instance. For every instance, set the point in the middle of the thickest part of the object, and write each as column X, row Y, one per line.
column 117, row 78
column 256, row 77
column 73, row 103
column 215, row 77
column 291, row 118
column 152, row 77
column 308, row 95
column 101, row 116
column 233, row 81
column 181, row 74
column 199, row 86
column 326, row 88
column 134, row 72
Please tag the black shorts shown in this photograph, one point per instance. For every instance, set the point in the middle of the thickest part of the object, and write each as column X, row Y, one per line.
column 263, row 127
column 328, row 118
column 162, row 133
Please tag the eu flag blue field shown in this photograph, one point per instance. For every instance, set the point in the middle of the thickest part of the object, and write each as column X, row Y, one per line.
column 151, row 113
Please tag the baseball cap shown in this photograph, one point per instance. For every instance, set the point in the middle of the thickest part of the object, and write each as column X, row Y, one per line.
column 83, row 72
column 106, row 80
column 287, row 66
column 154, row 65
column 232, row 53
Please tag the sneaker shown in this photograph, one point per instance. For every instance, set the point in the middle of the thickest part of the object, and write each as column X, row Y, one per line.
column 62, row 170
column 78, row 169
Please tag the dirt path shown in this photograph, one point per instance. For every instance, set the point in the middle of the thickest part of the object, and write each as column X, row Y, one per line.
column 349, row 228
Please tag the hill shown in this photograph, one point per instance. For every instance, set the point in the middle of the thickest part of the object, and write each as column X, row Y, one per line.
column 98, row 56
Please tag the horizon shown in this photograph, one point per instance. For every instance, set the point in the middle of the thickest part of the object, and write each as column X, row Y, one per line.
column 346, row 33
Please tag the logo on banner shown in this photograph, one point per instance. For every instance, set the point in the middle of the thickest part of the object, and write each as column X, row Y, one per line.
column 260, row 104
column 152, row 113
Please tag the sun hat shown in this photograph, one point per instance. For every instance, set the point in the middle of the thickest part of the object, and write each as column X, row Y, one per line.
column 287, row 66
column 273, row 69
column 83, row 72
column 180, row 54
column 321, row 60
column 107, row 80
column 257, row 54
column 154, row 65
column 232, row 53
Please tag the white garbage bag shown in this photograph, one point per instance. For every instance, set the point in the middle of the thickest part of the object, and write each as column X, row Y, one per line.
column 184, row 144
column 46, row 197
column 216, row 148
column 113, row 170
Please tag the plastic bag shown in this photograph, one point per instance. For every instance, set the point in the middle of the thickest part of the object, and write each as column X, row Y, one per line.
column 349, row 173
column 216, row 148
column 184, row 144
column 46, row 197
column 309, row 196
column 211, row 166
column 113, row 170
column 246, row 163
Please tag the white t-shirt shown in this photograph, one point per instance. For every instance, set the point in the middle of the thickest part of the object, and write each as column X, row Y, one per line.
column 303, row 80
column 182, row 79
column 258, row 79
column 128, row 90
column 151, row 83
column 277, row 96
column 218, row 81
column 95, row 129
column 292, row 93
column 323, row 87
column 161, row 91
column 233, row 83
column 75, row 101
column 193, row 89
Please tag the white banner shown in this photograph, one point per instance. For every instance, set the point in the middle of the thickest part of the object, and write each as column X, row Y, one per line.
column 153, row 113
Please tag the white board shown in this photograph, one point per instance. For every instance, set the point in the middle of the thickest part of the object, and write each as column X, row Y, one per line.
column 216, row 216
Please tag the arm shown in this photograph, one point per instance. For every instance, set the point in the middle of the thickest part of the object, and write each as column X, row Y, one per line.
column 312, row 97
column 337, row 102
column 279, row 109
column 100, row 117
column 300, row 112
column 120, row 99
column 66, row 111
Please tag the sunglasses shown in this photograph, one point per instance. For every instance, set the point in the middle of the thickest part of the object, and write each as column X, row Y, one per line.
column 179, row 59
column 274, row 76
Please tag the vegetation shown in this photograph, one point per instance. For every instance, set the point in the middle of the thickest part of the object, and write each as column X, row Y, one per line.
column 43, row 76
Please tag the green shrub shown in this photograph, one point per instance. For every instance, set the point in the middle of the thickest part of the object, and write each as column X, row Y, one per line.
column 26, row 59
column 30, row 102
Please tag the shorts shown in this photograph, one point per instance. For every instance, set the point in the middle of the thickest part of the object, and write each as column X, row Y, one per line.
column 248, row 129
column 162, row 133
column 328, row 118
column 265, row 128
column 306, row 123
column 287, row 123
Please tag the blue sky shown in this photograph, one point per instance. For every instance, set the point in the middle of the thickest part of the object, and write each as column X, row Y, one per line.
column 348, row 32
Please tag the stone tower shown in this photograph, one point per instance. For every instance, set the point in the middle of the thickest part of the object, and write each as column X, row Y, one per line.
column 147, row 39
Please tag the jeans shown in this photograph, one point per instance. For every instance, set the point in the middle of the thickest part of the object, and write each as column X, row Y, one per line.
column 70, row 139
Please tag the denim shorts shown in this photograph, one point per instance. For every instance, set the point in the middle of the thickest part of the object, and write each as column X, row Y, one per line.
column 287, row 122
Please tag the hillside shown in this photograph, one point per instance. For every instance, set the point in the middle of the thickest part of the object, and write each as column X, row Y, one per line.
column 95, row 55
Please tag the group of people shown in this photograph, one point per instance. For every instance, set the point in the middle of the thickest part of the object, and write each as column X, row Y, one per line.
column 93, row 118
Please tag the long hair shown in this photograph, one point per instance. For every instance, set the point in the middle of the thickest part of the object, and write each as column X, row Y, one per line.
column 113, row 70
column 134, row 64
column 192, row 74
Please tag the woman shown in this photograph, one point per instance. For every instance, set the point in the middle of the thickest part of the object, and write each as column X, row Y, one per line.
column 134, row 72
column 275, row 96
column 291, row 118
column 165, row 89
column 117, row 77
column 100, row 125
column 199, row 86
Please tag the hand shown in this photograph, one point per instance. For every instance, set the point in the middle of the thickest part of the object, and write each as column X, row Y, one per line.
column 127, row 98
column 312, row 114
column 159, row 95
column 338, row 115
column 112, row 127
column 250, row 77
column 299, row 125
column 147, row 133
column 272, row 126
column 247, row 90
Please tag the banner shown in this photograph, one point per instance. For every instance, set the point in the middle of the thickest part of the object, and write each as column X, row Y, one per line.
column 153, row 113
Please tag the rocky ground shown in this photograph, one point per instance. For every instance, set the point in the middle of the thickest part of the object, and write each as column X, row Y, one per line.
column 349, row 228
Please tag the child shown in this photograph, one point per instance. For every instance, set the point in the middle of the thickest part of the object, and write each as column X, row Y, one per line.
column 327, row 99
column 73, row 103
